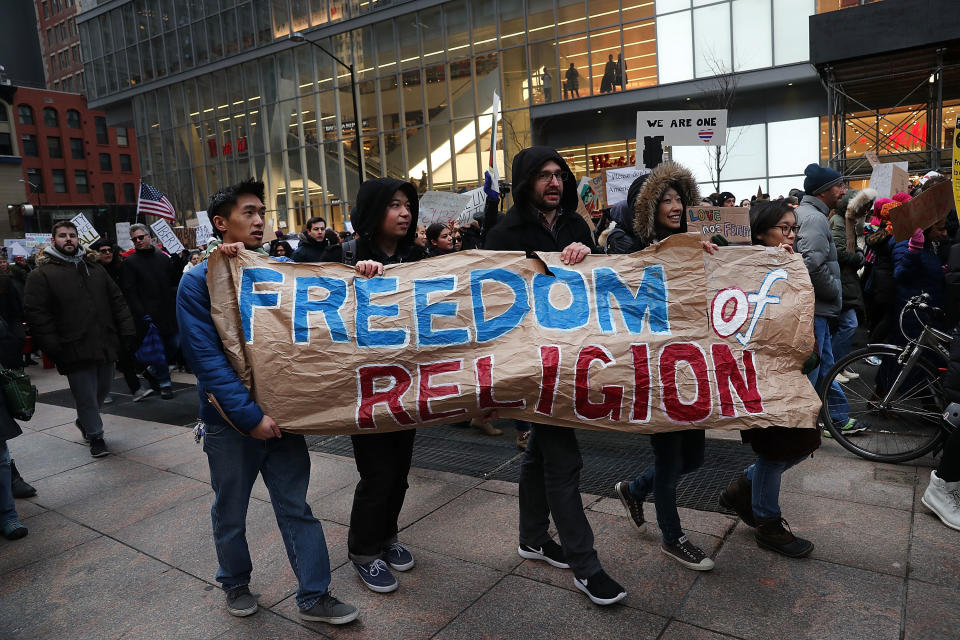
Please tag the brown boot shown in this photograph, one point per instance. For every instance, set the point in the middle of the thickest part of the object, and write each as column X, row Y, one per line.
column 522, row 438
column 771, row 534
column 738, row 497
column 485, row 426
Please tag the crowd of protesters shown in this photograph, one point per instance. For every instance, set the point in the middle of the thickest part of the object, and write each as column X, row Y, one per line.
column 91, row 312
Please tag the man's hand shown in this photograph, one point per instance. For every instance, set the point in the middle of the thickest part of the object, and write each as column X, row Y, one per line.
column 709, row 247
column 266, row 429
column 369, row 268
column 231, row 250
column 574, row 253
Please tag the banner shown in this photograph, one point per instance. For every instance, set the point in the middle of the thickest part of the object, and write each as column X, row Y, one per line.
column 733, row 223
column 665, row 339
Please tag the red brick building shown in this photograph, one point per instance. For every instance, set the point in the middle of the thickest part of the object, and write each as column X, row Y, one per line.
column 60, row 44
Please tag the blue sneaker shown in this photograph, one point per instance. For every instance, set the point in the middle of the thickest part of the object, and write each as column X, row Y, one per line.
column 376, row 576
column 398, row 557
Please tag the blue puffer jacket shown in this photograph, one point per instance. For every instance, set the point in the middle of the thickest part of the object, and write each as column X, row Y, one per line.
column 203, row 350
column 917, row 272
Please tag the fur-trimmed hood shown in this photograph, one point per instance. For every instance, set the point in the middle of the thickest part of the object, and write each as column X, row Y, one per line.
column 855, row 204
column 667, row 174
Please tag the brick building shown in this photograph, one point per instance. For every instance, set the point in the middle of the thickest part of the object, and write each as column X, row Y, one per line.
column 60, row 44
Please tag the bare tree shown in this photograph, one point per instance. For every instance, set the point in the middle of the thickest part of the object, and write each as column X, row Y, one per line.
column 719, row 92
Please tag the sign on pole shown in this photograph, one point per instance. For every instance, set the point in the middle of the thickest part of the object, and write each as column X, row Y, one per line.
column 658, row 129
column 171, row 243
column 733, row 223
column 85, row 231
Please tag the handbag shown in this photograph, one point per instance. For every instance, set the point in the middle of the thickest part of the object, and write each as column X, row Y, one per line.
column 151, row 352
column 19, row 393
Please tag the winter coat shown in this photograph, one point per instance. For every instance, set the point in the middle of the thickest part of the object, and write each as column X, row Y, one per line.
column 149, row 282
column 520, row 229
column 815, row 243
column 852, row 296
column 76, row 313
column 881, row 285
column 621, row 238
column 667, row 174
column 12, row 335
column 917, row 272
column 309, row 250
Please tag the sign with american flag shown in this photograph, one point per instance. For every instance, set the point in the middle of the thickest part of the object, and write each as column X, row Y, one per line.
column 154, row 203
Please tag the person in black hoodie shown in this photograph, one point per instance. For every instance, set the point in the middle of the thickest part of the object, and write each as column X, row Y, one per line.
column 386, row 220
column 544, row 218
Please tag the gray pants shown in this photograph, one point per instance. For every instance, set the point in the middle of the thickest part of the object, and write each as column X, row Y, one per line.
column 90, row 387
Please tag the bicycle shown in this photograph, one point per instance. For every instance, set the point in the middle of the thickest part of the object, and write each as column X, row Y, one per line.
column 894, row 393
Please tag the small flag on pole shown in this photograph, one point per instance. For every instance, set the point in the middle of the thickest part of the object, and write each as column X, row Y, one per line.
column 154, row 203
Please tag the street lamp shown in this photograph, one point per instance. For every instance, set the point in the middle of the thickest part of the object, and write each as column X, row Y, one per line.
column 36, row 189
column 296, row 36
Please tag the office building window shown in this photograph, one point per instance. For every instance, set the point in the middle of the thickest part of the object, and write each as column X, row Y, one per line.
column 101, row 125
column 49, row 37
column 122, row 139
column 80, row 179
column 129, row 194
column 6, row 144
column 34, row 177
column 50, row 116
column 76, row 148
column 105, row 164
column 125, row 164
column 54, row 147
column 59, row 181
column 3, row 113
column 109, row 192
column 28, row 144
column 25, row 113
column 73, row 118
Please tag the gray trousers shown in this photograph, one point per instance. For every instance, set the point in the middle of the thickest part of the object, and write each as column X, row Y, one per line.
column 89, row 387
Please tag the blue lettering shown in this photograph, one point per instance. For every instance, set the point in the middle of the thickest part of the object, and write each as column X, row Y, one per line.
column 426, row 334
column 251, row 298
column 330, row 308
column 510, row 319
column 651, row 298
column 367, row 337
column 573, row 316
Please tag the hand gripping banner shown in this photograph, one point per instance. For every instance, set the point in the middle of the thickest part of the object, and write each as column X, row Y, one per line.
column 665, row 339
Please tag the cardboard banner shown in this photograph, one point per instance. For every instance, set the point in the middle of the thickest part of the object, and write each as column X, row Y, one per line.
column 85, row 231
column 618, row 182
column 171, row 243
column 441, row 206
column 733, row 223
column 665, row 339
column 921, row 212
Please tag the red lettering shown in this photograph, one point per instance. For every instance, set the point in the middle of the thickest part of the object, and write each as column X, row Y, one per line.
column 641, row 383
column 392, row 396
column 485, row 399
column 228, row 148
column 212, row 144
column 242, row 144
column 426, row 392
column 550, row 364
column 612, row 395
column 676, row 409
column 729, row 373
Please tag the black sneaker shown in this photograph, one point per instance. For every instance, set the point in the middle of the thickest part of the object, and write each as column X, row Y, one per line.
column 633, row 506
column 688, row 554
column 330, row 610
column 240, row 602
column 166, row 393
column 98, row 448
column 601, row 588
column 21, row 489
column 550, row 552
column 83, row 431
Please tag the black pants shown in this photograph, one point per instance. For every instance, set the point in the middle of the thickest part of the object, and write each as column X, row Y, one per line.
column 383, row 460
column 949, row 469
column 550, row 485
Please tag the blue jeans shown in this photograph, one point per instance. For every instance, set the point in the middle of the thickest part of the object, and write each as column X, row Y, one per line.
column 8, row 511
column 843, row 336
column 235, row 460
column 171, row 344
column 764, row 476
column 675, row 453
column 839, row 407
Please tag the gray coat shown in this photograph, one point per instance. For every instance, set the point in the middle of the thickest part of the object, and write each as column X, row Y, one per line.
column 815, row 243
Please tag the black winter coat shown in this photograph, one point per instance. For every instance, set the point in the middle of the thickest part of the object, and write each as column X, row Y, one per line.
column 149, row 281
column 309, row 250
column 76, row 313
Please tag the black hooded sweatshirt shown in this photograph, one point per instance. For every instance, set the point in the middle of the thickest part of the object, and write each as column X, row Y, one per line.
column 372, row 200
column 521, row 229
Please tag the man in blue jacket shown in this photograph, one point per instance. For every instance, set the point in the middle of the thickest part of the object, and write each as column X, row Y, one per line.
column 241, row 441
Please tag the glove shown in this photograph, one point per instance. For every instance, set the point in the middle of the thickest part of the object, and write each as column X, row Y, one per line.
column 811, row 363
column 488, row 189
column 719, row 240
column 916, row 241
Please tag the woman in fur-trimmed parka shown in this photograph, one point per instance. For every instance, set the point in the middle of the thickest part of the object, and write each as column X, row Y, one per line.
column 658, row 213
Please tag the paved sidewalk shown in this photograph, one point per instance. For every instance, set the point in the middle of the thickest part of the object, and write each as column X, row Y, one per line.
column 121, row 548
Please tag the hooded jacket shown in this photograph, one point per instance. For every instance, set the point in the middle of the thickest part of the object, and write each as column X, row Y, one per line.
column 521, row 229
column 621, row 238
column 372, row 200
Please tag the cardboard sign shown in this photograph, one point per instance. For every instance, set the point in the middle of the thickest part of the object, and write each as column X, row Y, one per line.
column 123, row 236
column 171, row 243
column 692, row 128
column 889, row 178
column 441, row 206
column 85, row 231
column 660, row 340
column 921, row 212
column 617, row 182
column 733, row 223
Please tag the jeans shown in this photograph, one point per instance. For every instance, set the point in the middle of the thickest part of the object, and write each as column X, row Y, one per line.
column 839, row 407
column 550, row 485
column 383, row 461
column 675, row 453
column 521, row 425
column 235, row 460
column 764, row 476
column 843, row 336
column 89, row 387
column 171, row 344
column 8, row 511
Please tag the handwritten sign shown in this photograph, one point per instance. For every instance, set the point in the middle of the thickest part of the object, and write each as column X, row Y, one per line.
column 441, row 206
column 733, row 223
column 618, row 182
column 474, row 208
column 85, row 231
column 171, row 243
column 204, row 229
column 123, row 236
column 692, row 128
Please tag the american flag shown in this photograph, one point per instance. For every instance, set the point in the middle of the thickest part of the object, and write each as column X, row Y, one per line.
column 154, row 203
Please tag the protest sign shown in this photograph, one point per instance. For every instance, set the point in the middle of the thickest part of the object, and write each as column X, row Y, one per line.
column 19, row 247
column 204, row 229
column 441, row 206
column 39, row 238
column 889, row 178
column 589, row 198
column 617, row 182
column 85, row 231
column 474, row 207
column 664, row 339
column 733, row 223
column 123, row 235
column 187, row 237
column 678, row 128
column 171, row 243
column 921, row 212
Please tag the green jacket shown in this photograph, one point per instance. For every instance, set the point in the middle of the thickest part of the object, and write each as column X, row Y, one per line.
column 850, row 263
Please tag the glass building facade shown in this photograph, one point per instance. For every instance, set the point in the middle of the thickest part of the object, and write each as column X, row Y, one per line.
column 218, row 92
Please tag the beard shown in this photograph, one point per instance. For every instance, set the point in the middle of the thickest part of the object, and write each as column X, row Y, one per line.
column 67, row 251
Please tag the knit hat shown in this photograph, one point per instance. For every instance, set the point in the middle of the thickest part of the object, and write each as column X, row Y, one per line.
column 902, row 197
column 878, row 204
column 819, row 179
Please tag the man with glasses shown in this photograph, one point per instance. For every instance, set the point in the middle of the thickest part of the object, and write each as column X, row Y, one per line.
column 544, row 218
column 149, row 280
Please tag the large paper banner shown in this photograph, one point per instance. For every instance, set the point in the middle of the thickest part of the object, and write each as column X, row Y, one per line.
column 733, row 223
column 665, row 339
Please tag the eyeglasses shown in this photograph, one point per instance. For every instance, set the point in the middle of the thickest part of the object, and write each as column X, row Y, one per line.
column 546, row 177
column 106, row 250
column 786, row 229
column 138, row 238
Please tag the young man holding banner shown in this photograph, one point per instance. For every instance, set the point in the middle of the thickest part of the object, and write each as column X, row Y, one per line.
column 544, row 218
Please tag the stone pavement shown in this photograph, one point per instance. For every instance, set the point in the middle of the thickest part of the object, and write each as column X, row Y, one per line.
column 121, row 548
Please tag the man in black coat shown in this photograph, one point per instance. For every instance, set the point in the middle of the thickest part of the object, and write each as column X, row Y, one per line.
column 149, row 279
column 544, row 218
column 78, row 316
column 314, row 241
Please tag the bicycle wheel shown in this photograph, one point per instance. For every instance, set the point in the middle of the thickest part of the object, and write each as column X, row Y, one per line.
column 902, row 427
